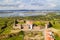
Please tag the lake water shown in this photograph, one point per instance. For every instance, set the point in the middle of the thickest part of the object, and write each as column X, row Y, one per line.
column 21, row 14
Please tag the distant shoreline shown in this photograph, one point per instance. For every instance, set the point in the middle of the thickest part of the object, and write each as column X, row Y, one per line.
column 29, row 10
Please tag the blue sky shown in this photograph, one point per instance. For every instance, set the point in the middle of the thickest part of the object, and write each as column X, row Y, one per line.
column 29, row 4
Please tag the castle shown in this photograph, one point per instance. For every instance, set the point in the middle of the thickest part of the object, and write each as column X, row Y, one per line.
column 28, row 26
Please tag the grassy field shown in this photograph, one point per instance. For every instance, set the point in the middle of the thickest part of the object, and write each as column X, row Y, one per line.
column 56, row 24
column 19, row 36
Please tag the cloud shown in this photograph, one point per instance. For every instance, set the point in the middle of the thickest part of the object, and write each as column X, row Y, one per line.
column 52, row 5
column 30, row 4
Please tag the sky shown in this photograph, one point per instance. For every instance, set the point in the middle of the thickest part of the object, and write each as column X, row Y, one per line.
column 30, row 4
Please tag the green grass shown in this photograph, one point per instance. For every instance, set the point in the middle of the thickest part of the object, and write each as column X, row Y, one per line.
column 21, row 23
column 57, row 37
column 18, row 37
column 14, row 38
column 39, row 23
column 56, row 24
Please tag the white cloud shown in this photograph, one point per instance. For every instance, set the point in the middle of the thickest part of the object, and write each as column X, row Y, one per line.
column 52, row 5
column 40, row 4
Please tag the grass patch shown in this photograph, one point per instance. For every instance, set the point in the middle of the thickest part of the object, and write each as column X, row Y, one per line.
column 57, row 37
column 18, row 37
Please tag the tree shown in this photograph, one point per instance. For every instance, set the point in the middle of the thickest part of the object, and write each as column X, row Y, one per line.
column 50, row 25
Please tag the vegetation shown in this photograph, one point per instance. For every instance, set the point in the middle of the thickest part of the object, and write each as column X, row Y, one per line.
column 57, row 37
column 20, row 36
column 6, row 24
column 39, row 23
